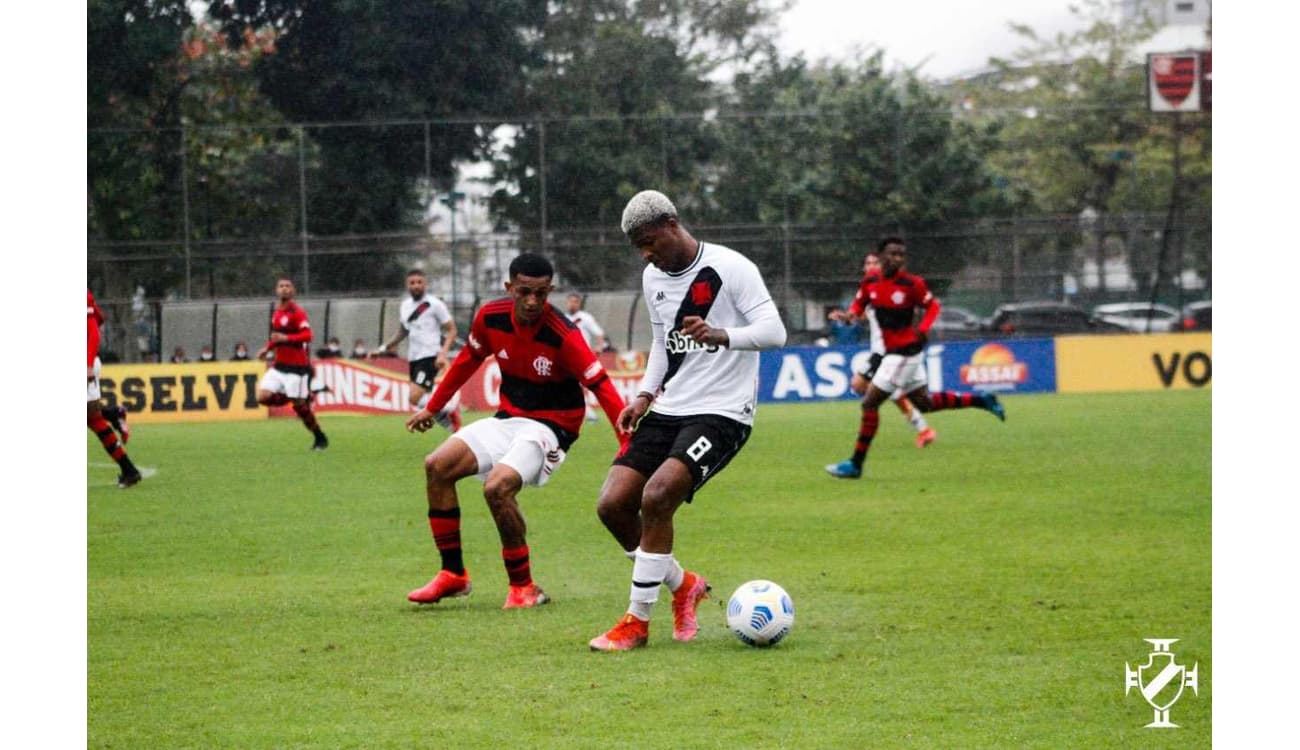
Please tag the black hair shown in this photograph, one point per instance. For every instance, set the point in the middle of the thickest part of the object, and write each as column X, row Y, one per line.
column 414, row 272
column 530, row 264
column 890, row 240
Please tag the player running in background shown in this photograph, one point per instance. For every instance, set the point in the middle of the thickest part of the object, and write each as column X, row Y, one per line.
column 96, row 414
column 590, row 329
column 585, row 322
column 288, row 381
column 924, row 433
column 428, row 323
column 710, row 313
column 894, row 295
column 545, row 363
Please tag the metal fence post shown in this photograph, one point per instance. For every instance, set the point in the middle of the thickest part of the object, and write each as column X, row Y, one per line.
column 541, row 175
column 302, row 200
column 185, row 209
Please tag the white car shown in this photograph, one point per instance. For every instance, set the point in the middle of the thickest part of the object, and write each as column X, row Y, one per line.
column 1142, row 317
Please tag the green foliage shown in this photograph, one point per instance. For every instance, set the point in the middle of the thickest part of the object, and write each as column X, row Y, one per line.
column 855, row 147
column 133, row 176
column 614, row 79
column 985, row 592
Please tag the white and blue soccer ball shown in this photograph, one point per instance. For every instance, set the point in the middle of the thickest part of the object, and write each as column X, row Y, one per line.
column 760, row 613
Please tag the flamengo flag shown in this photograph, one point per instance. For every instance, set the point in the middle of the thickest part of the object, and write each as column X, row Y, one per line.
column 1174, row 82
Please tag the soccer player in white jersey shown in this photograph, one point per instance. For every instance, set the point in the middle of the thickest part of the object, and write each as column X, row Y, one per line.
column 710, row 313
column 428, row 323
column 585, row 322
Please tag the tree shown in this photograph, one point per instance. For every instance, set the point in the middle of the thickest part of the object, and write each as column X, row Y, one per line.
column 848, row 145
column 618, row 101
column 1077, row 136
column 133, row 111
column 347, row 63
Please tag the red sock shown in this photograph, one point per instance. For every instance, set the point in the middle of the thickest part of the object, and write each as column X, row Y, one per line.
column 104, row 431
column 866, row 432
column 445, row 525
column 308, row 417
column 518, row 568
column 951, row 400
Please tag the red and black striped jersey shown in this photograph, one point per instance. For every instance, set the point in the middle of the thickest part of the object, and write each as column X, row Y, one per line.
column 291, row 320
column 93, row 318
column 544, row 368
column 895, row 299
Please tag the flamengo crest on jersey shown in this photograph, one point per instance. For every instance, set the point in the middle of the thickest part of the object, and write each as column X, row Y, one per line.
column 423, row 321
column 723, row 287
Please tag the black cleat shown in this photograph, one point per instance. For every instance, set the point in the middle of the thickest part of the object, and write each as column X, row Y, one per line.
column 321, row 443
column 129, row 479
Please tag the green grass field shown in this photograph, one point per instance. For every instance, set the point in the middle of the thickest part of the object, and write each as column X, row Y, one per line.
column 984, row 592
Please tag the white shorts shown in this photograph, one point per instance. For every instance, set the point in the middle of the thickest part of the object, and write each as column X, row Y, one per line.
column 900, row 374
column 525, row 445
column 92, row 386
column 292, row 385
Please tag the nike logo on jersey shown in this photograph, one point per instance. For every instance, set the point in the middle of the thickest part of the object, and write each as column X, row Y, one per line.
column 502, row 354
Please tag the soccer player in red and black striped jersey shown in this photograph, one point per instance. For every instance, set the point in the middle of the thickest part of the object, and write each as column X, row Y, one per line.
column 895, row 295
column 545, row 363
column 97, row 416
column 289, row 379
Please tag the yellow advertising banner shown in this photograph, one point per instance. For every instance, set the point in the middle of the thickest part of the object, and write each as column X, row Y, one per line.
column 1151, row 362
column 190, row 392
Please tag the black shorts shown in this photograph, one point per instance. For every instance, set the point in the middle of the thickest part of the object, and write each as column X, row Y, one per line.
column 423, row 372
column 705, row 443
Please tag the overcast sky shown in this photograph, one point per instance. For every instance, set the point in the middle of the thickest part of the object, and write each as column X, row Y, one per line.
column 948, row 36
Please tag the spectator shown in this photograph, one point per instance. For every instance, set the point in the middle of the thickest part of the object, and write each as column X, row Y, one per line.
column 359, row 350
column 206, row 355
column 241, row 351
column 332, row 349
column 844, row 332
column 178, row 355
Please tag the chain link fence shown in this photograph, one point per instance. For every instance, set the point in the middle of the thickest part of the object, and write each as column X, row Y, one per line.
column 221, row 211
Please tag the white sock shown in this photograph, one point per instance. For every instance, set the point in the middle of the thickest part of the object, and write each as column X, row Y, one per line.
column 423, row 402
column 631, row 553
column 675, row 576
column 647, row 573
column 918, row 420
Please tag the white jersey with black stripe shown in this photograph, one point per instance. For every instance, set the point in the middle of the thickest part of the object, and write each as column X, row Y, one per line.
column 726, row 289
column 423, row 320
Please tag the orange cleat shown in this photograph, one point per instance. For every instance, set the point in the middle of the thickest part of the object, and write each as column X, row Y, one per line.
column 925, row 437
column 444, row 585
column 628, row 634
column 525, row 596
column 686, row 599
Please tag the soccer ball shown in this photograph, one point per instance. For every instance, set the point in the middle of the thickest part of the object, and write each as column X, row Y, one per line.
column 760, row 613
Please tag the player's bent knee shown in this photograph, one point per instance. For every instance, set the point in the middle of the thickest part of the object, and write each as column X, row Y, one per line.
column 660, row 499
column 499, row 491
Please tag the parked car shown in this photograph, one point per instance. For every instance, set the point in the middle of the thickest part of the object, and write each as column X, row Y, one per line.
column 1196, row 316
column 956, row 323
column 1142, row 317
column 1046, row 319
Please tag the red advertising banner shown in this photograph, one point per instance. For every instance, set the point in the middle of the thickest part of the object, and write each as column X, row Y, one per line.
column 382, row 386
